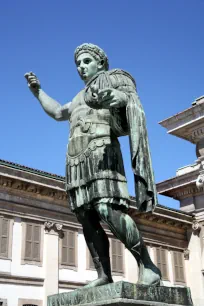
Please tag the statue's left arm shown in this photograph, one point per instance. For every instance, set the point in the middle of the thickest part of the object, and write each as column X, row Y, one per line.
column 130, row 112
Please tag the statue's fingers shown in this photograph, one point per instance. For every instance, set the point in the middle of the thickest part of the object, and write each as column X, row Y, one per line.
column 33, row 83
column 30, row 78
column 106, row 103
column 105, row 92
column 26, row 75
column 114, row 104
column 105, row 95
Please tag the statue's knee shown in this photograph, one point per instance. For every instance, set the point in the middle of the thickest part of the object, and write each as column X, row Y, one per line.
column 103, row 212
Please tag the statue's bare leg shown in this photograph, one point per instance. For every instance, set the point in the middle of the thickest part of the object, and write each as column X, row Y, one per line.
column 125, row 229
column 98, row 244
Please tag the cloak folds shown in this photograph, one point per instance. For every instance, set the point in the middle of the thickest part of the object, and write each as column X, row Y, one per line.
column 131, row 121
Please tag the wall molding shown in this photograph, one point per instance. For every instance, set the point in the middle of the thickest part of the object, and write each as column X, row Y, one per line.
column 21, row 280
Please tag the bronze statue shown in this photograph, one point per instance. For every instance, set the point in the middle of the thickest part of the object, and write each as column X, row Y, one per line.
column 107, row 108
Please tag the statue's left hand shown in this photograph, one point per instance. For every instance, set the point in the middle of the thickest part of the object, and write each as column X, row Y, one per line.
column 110, row 97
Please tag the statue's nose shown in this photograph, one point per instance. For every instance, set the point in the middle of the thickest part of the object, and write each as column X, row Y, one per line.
column 82, row 65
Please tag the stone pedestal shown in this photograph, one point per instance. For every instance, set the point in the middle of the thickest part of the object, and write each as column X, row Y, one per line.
column 123, row 293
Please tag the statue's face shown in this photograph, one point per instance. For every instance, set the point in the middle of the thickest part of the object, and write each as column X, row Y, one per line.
column 87, row 66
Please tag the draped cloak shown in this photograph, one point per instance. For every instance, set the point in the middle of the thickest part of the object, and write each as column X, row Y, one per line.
column 130, row 120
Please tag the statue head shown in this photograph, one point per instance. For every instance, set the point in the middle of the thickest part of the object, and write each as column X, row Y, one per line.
column 89, row 60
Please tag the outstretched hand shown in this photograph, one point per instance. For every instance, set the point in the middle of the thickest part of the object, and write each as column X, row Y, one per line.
column 108, row 97
column 33, row 82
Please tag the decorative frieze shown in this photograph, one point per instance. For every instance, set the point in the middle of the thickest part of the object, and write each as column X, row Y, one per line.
column 186, row 192
column 197, row 134
column 33, row 188
column 154, row 218
column 185, row 180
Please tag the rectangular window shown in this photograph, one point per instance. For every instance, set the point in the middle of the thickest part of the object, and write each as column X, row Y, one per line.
column 117, row 256
column 4, row 237
column 69, row 248
column 162, row 262
column 178, row 264
column 32, row 242
column 90, row 263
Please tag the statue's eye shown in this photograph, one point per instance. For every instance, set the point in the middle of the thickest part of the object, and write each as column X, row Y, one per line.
column 87, row 61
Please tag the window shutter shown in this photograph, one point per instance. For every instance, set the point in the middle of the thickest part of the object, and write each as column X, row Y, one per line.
column 28, row 242
column 162, row 262
column 36, row 242
column 4, row 237
column 68, row 251
column 90, row 260
column 158, row 258
column 178, row 267
column 114, row 254
column 71, row 248
column 181, row 267
column 32, row 242
column 65, row 248
column 117, row 255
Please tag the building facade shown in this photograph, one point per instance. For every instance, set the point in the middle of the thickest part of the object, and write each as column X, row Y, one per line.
column 188, row 187
column 43, row 251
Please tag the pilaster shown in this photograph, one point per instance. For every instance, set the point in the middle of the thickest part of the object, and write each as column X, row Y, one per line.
column 51, row 258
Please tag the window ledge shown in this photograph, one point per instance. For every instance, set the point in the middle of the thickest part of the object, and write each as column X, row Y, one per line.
column 5, row 258
column 117, row 273
column 90, row 269
column 31, row 262
column 165, row 280
column 67, row 267
column 182, row 284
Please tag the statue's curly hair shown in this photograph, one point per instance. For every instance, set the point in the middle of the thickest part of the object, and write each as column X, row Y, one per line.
column 95, row 51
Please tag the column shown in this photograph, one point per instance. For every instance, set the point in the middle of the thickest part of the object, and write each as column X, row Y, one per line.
column 51, row 259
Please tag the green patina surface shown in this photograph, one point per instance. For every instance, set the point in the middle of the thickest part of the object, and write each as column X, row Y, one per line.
column 123, row 291
column 107, row 108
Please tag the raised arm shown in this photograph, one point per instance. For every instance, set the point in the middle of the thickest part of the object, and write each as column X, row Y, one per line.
column 53, row 108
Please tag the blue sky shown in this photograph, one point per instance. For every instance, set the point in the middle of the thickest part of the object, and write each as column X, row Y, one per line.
column 161, row 43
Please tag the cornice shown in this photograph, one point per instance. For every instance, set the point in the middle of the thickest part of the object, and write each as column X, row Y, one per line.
column 33, row 188
column 182, row 186
column 164, row 218
column 26, row 169
column 178, row 181
column 182, row 192
column 188, row 124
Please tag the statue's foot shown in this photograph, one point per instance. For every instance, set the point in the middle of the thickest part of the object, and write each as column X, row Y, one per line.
column 150, row 277
column 98, row 282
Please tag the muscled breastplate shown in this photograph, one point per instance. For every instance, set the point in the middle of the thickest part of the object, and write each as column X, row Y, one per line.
column 89, row 128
